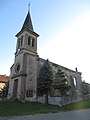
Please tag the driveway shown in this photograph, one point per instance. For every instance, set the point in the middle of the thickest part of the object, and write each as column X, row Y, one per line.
column 70, row 115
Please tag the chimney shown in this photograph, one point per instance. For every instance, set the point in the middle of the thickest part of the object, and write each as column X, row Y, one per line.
column 76, row 69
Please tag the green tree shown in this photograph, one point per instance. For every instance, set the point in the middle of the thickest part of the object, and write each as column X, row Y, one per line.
column 45, row 80
column 85, row 89
column 61, row 83
column 4, row 90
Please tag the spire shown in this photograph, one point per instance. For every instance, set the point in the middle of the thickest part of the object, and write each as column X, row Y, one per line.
column 27, row 25
column 28, row 22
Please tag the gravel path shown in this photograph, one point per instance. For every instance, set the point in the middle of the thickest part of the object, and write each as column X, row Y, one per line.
column 70, row 115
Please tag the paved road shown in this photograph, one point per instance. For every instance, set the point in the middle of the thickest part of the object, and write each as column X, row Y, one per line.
column 70, row 115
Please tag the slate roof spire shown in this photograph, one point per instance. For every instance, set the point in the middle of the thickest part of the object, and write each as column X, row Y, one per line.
column 28, row 22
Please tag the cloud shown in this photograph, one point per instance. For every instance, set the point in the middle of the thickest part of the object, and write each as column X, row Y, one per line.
column 5, row 69
column 71, row 47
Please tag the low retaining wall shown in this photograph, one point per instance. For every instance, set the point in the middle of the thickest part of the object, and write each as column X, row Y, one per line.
column 57, row 100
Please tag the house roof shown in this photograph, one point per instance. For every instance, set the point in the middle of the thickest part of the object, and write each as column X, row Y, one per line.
column 4, row 78
column 64, row 68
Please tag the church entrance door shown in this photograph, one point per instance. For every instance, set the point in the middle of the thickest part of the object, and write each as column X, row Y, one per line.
column 15, row 86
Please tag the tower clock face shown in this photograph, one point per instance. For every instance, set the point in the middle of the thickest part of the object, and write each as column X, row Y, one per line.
column 17, row 67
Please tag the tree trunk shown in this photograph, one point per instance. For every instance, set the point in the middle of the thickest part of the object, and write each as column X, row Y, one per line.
column 46, row 98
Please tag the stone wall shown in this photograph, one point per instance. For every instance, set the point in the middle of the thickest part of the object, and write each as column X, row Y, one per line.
column 74, row 80
column 51, row 100
column 31, row 78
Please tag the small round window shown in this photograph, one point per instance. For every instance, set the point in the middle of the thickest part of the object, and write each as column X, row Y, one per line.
column 17, row 69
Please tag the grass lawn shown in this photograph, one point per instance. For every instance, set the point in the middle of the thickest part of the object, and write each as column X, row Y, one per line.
column 27, row 108
column 84, row 104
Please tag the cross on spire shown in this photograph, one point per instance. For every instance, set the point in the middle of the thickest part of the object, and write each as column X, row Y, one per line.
column 28, row 6
column 28, row 22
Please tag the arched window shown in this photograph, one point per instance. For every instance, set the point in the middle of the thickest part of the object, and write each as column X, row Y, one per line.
column 21, row 40
column 18, row 43
column 75, row 82
column 32, row 42
column 29, row 40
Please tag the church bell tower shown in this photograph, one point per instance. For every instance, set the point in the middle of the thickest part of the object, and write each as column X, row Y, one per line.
column 27, row 38
column 23, row 82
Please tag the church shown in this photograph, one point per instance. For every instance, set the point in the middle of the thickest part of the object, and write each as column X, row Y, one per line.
column 27, row 63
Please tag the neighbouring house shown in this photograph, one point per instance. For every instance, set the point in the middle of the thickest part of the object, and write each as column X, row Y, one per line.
column 3, row 80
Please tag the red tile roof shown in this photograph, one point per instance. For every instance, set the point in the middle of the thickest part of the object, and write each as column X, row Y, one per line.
column 4, row 78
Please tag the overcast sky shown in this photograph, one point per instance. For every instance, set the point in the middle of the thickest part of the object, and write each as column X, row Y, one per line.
column 63, row 26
